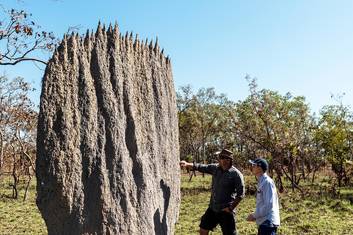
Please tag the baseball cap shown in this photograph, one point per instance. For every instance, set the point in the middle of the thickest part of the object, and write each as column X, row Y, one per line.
column 261, row 162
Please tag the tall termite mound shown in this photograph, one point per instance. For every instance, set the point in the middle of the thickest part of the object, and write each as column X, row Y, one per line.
column 107, row 145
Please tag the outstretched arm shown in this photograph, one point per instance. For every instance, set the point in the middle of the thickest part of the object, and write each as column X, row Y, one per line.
column 185, row 164
column 205, row 168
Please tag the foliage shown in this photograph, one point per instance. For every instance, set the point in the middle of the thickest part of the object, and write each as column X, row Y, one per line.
column 20, row 36
column 278, row 128
column 267, row 124
column 335, row 136
column 202, row 122
column 17, row 130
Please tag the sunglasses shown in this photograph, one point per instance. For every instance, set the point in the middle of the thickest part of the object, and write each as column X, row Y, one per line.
column 224, row 157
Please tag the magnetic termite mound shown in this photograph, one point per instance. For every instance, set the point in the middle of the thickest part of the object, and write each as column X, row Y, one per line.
column 107, row 145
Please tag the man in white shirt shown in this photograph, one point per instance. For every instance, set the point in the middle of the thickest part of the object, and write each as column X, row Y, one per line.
column 266, row 214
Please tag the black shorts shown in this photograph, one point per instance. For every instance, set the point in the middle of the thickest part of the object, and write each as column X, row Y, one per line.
column 226, row 220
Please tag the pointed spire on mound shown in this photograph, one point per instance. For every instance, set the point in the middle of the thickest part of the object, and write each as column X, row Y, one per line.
column 116, row 30
column 110, row 28
column 107, row 113
column 99, row 29
column 112, row 41
column 87, row 36
column 110, row 33
column 72, row 39
column 136, row 43
column 156, row 47
column 151, row 46
column 99, row 32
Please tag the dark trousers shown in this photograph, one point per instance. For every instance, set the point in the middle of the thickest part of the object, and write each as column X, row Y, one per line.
column 267, row 228
column 226, row 220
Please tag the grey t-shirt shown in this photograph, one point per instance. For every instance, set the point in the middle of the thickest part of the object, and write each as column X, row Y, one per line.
column 226, row 185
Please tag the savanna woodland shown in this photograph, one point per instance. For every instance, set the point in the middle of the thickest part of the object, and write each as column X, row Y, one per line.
column 310, row 155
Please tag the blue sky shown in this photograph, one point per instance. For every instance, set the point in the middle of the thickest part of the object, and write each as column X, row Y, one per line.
column 303, row 47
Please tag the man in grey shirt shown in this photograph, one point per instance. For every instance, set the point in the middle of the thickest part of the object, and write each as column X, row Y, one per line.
column 227, row 191
column 266, row 214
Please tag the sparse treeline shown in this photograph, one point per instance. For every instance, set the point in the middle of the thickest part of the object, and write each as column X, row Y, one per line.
column 278, row 127
column 18, row 120
column 21, row 38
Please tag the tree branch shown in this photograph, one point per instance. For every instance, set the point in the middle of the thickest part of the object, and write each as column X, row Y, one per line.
column 23, row 59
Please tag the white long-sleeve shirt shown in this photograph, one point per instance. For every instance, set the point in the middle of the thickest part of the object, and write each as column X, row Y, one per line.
column 267, row 206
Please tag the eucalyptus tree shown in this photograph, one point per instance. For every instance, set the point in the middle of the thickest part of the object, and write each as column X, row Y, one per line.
column 335, row 136
column 203, row 122
column 17, row 131
column 277, row 127
column 188, row 125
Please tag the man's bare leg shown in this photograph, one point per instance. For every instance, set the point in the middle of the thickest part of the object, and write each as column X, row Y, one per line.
column 203, row 231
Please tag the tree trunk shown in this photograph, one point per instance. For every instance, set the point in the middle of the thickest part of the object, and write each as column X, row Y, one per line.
column 27, row 187
column 1, row 152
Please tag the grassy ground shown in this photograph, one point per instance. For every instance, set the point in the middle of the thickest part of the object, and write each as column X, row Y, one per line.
column 318, row 213
column 18, row 217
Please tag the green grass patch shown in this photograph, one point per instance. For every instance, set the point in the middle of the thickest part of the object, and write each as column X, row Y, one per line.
column 314, row 214
column 18, row 216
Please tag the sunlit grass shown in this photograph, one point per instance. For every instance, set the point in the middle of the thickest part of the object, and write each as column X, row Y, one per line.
column 18, row 216
column 313, row 214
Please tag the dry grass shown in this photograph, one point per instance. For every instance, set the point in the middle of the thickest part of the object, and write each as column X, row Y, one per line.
column 315, row 214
